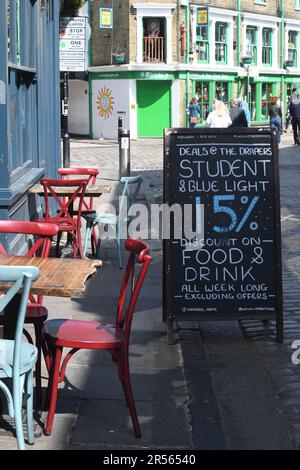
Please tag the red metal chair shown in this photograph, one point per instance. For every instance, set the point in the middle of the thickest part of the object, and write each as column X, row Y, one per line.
column 91, row 176
column 114, row 338
column 64, row 218
column 36, row 313
column 88, row 203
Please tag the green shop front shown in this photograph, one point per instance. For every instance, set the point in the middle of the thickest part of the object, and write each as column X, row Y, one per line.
column 212, row 86
column 147, row 102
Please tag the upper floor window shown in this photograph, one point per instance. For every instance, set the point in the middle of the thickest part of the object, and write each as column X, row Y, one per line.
column 251, row 43
column 154, row 39
column 202, row 44
column 221, row 43
column 267, row 46
column 292, row 47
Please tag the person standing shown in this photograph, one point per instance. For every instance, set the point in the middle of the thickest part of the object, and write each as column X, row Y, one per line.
column 193, row 111
column 237, row 114
column 219, row 117
column 275, row 115
column 244, row 106
column 294, row 108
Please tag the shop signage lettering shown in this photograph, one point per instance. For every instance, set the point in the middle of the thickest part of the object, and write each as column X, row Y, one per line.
column 233, row 269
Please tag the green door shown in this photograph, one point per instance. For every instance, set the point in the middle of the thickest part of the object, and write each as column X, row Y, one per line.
column 154, row 107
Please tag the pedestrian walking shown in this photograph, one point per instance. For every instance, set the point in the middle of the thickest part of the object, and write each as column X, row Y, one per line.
column 295, row 113
column 219, row 117
column 237, row 114
column 275, row 115
column 244, row 106
column 288, row 116
column 193, row 112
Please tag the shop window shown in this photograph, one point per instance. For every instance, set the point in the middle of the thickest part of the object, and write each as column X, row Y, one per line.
column 22, row 91
column 251, row 43
column 265, row 100
column 202, row 91
column 222, row 91
column 292, row 47
column 267, row 46
column 202, row 45
column 297, row 4
column 221, row 43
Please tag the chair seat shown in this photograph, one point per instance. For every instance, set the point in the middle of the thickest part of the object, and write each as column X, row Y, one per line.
column 27, row 358
column 33, row 312
column 83, row 334
column 63, row 226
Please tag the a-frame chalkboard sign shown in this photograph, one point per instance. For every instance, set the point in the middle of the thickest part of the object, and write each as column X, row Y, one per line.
column 230, row 266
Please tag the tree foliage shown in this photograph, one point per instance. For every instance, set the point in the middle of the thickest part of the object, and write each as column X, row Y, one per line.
column 71, row 7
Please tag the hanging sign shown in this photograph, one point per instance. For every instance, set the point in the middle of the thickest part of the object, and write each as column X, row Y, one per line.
column 231, row 266
column 202, row 16
column 106, row 18
column 72, row 44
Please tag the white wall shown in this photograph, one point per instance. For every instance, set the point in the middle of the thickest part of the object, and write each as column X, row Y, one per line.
column 109, row 97
column 78, row 107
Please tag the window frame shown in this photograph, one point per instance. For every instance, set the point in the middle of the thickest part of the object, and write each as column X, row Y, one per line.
column 294, row 49
column 199, row 43
column 219, row 42
column 267, row 48
column 253, row 54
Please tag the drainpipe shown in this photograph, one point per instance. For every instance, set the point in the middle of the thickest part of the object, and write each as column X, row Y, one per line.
column 238, row 34
column 187, row 56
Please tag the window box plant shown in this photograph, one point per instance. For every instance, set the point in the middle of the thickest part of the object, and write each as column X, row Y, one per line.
column 118, row 57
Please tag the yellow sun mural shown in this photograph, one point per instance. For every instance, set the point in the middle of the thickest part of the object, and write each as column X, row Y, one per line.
column 105, row 102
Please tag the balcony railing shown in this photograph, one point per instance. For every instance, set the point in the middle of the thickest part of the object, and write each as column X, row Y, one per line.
column 153, row 49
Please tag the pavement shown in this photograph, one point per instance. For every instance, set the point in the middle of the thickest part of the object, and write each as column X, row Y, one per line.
column 221, row 385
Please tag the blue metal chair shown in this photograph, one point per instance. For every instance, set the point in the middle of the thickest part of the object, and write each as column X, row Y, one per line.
column 17, row 358
column 115, row 220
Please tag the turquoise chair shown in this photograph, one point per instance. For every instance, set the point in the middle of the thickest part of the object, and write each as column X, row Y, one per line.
column 17, row 358
column 115, row 220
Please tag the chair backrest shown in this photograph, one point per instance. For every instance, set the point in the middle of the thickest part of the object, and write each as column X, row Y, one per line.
column 64, row 204
column 139, row 252
column 21, row 276
column 42, row 231
column 91, row 176
column 128, row 193
column 41, row 244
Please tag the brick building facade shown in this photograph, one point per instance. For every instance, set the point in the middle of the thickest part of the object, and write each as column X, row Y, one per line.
column 157, row 54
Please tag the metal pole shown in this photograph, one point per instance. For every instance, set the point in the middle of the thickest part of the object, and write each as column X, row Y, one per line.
column 248, row 87
column 124, row 153
column 120, row 125
column 65, row 123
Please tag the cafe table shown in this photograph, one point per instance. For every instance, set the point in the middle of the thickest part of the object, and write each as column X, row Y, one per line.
column 91, row 190
column 59, row 277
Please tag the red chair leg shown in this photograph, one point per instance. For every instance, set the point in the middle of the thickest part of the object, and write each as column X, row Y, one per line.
column 79, row 241
column 53, row 383
column 129, row 398
column 38, row 330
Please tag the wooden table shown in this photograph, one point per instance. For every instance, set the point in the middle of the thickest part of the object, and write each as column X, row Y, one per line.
column 91, row 190
column 59, row 277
